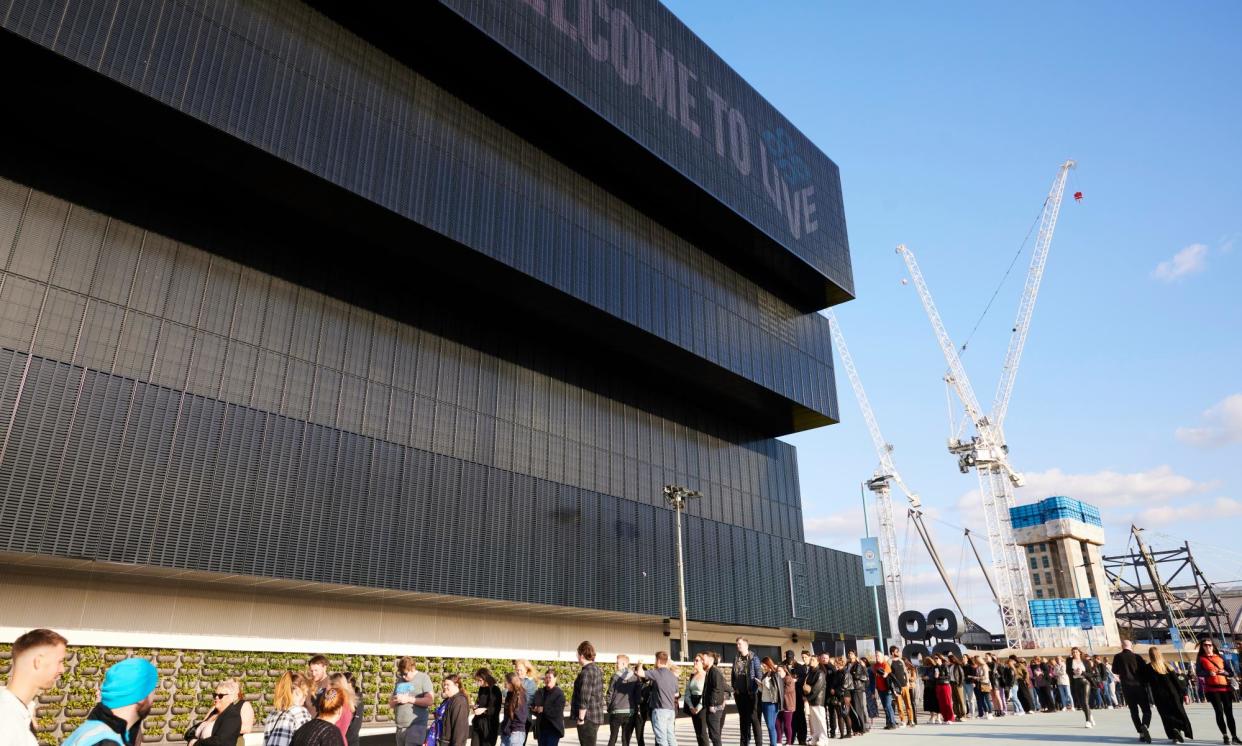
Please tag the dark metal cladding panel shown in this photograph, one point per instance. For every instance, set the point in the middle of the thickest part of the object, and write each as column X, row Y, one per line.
column 635, row 64
column 279, row 76
column 118, row 448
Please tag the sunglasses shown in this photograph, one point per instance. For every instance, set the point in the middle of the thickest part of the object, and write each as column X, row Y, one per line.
column 219, row 695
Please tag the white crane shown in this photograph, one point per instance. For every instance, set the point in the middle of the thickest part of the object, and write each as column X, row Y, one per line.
column 886, row 472
column 880, row 484
column 987, row 451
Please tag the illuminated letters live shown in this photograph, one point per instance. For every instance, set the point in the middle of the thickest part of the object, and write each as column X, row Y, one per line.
column 610, row 36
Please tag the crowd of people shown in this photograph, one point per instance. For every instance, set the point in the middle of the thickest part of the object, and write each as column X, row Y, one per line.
column 806, row 702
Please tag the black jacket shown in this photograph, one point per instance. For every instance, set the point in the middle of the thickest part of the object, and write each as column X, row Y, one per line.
column 455, row 729
column 117, row 725
column 817, row 679
column 226, row 729
column 1130, row 668
column 553, row 703
column 714, row 688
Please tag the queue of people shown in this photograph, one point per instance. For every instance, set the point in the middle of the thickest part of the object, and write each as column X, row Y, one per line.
column 820, row 698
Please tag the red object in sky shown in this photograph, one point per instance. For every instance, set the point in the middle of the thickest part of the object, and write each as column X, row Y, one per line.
column 1078, row 196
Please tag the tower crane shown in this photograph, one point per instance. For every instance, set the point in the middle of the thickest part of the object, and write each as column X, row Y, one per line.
column 880, row 484
column 986, row 451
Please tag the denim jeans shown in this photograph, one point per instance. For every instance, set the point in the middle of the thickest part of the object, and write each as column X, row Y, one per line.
column 890, row 718
column 769, row 718
column 1067, row 699
column 516, row 738
column 968, row 694
column 1015, row 700
column 663, row 722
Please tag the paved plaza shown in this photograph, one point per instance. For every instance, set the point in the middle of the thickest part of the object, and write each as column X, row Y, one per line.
column 1111, row 726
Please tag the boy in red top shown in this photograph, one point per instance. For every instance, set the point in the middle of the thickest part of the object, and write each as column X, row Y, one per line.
column 883, row 687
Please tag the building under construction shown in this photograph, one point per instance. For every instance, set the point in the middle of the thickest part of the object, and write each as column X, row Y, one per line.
column 1162, row 596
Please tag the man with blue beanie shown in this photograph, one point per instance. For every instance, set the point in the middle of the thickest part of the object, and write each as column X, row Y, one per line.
column 124, row 700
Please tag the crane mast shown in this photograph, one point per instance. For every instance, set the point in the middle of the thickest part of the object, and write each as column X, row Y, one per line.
column 879, row 484
column 987, row 454
column 1026, row 306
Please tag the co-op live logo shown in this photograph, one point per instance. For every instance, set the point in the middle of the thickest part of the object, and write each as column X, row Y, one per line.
column 610, row 36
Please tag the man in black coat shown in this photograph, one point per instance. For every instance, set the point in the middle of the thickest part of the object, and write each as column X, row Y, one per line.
column 714, row 695
column 1129, row 667
column 799, row 672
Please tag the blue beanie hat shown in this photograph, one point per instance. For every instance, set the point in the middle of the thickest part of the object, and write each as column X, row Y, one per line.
column 127, row 682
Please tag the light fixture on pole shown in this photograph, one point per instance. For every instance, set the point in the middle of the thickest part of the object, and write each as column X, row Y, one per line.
column 677, row 497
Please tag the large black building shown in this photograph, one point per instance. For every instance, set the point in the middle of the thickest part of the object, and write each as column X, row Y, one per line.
column 422, row 302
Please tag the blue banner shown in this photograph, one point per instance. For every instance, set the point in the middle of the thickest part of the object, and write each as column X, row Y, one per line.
column 1084, row 614
column 873, row 574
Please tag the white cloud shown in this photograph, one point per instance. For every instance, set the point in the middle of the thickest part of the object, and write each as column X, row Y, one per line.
column 837, row 530
column 1188, row 261
column 1104, row 489
column 1223, row 425
column 1221, row 507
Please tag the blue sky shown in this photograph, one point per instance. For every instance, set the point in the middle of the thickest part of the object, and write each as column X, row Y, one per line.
column 948, row 121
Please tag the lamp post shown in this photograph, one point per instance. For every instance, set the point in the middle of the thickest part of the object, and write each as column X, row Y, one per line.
column 677, row 497
column 875, row 592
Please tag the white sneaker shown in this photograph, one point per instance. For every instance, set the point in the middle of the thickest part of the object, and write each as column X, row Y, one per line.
column 1090, row 723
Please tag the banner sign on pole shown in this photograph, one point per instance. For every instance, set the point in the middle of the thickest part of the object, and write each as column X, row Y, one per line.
column 873, row 575
column 1084, row 614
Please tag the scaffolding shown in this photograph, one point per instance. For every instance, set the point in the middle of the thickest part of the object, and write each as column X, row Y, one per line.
column 1163, row 597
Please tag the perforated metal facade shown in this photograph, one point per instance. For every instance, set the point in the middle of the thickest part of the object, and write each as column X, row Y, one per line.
column 200, row 404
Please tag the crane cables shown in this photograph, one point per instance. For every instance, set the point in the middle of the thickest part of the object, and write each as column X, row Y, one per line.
column 957, row 429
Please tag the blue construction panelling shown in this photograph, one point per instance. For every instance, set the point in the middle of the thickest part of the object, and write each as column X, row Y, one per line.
column 1054, row 508
column 1063, row 612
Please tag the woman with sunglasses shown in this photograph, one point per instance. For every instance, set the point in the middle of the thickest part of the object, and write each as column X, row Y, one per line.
column 1218, row 677
column 230, row 717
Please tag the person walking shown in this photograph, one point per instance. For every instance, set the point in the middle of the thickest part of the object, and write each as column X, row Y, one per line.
column 693, row 700
column 981, row 677
column 856, row 685
column 1168, row 689
column 788, row 703
column 714, row 695
column 549, row 711
column 771, row 692
column 622, row 699
column 485, row 727
column 882, row 672
column 745, row 678
column 454, row 726
column 411, row 697
column 1083, row 677
column 230, row 717
column 513, row 729
column 322, row 729
column 588, row 696
column 36, row 661
column 1133, row 673
column 289, row 711
column 662, row 698
column 1218, row 679
column 125, row 699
